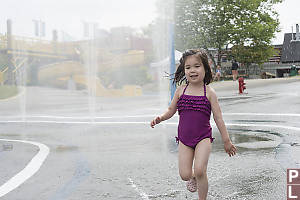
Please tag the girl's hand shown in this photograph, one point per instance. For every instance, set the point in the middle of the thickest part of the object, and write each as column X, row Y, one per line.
column 229, row 148
column 155, row 121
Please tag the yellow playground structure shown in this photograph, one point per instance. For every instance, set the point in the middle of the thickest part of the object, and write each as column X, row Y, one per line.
column 59, row 74
column 53, row 63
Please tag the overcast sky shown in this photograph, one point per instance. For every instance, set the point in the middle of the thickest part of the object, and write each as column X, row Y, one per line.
column 67, row 15
column 289, row 15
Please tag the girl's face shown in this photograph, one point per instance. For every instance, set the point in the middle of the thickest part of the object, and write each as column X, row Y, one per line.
column 194, row 69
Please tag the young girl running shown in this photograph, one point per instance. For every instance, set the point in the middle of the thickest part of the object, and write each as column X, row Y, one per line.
column 195, row 101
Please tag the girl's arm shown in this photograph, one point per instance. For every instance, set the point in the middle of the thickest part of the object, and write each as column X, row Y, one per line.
column 171, row 110
column 217, row 114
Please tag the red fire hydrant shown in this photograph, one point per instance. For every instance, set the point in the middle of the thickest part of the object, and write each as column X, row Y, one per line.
column 242, row 86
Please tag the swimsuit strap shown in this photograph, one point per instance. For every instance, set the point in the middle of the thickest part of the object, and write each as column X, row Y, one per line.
column 185, row 88
column 204, row 90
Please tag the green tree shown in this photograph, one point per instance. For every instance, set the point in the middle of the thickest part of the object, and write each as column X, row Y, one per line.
column 258, row 53
column 218, row 24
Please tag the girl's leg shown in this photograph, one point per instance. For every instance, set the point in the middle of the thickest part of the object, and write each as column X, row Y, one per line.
column 202, row 152
column 185, row 161
column 234, row 74
column 219, row 76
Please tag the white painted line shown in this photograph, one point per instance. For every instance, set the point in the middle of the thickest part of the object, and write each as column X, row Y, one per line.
column 31, row 168
column 83, row 117
column 73, row 122
column 234, row 97
column 141, row 193
column 141, row 122
column 267, row 125
column 157, row 109
column 256, row 125
column 137, row 116
column 265, row 114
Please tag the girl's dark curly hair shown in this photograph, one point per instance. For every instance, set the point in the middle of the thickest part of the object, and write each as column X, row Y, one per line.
column 201, row 54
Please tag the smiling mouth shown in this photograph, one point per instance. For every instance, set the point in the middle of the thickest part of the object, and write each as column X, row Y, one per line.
column 192, row 76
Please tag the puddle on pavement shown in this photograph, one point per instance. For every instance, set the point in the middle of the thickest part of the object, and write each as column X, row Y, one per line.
column 250, row 140
column 261, row 133
column 243, row 139
column 257, row 121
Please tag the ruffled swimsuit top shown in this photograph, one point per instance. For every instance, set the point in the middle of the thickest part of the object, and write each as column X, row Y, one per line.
column 194, row 116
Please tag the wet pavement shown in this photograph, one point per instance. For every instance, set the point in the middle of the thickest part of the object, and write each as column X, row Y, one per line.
column 112, row 153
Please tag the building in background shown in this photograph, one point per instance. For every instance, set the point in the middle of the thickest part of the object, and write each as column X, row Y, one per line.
column 282, row 64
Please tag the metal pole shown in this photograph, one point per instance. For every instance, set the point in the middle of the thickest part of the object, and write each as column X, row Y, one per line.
column 9, row 34
column 172, row 61
column 10, row 76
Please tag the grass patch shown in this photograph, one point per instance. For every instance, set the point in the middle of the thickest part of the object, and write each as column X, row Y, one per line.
column 7, row 91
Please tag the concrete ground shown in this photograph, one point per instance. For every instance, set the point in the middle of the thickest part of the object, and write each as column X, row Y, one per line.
column 104, row 148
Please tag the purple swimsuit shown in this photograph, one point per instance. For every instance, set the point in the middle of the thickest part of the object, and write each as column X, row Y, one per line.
column 194, row 115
